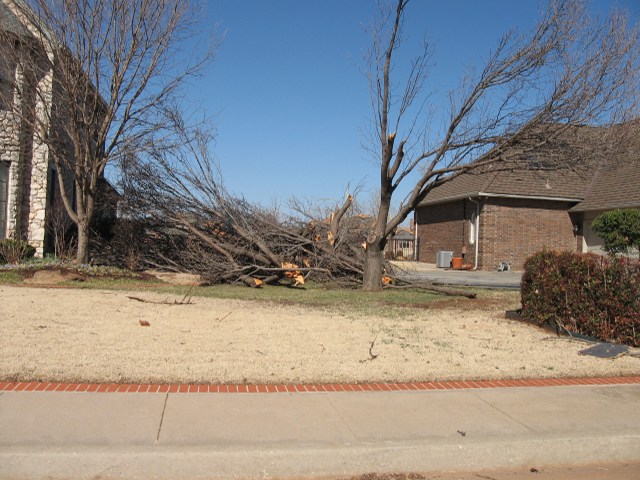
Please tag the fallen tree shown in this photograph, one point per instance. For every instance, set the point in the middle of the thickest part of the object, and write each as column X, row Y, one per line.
column 191, row 223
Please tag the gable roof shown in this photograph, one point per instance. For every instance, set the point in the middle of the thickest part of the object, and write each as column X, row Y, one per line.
column 617, row 188
column 602, row 173
column 561, row 184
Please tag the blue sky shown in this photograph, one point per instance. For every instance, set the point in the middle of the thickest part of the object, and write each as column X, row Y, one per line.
column 288, row 98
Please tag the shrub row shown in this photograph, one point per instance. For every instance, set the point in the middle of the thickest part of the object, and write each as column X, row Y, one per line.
column 584, row 293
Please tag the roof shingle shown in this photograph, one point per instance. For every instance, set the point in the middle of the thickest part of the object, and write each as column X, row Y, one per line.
column 617, row 188
column 604, row 177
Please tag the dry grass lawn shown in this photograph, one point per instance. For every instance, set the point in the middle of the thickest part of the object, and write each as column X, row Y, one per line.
column 75, row 335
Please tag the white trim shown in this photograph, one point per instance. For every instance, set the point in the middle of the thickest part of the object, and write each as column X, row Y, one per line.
column 415, row 236
column 500, row 195
column 529, row 197
column 477, row 232
column 472, row 228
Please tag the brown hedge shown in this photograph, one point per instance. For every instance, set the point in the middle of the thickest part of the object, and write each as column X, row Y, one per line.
column 584, row 293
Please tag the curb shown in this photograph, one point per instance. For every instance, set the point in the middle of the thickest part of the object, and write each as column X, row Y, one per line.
column 304, row 388
column 313, row 462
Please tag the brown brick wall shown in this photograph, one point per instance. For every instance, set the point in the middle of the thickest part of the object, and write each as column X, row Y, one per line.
column 444, row 227
column 510, row 230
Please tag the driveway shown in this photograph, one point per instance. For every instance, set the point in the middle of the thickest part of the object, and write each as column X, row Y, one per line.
column 428, row 272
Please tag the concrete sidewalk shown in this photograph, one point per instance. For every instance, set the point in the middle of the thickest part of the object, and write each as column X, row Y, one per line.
column 188, row 436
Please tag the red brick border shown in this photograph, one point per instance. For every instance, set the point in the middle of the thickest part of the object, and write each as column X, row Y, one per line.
column 299, row 388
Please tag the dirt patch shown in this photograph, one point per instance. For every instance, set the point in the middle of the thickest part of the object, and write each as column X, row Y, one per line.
column 174, row 278
column 97, row 336
column 462, row 304
column 52, row 277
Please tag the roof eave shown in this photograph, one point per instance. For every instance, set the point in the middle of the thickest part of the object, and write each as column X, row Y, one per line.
column 501, row 195
column 596, row 208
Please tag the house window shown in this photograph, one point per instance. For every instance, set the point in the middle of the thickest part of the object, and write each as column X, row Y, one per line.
column 4, row 190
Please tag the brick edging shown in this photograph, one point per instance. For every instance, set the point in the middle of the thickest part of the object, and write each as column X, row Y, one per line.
column 300, row 388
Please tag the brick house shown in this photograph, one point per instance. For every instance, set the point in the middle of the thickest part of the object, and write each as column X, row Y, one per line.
column 490, row 217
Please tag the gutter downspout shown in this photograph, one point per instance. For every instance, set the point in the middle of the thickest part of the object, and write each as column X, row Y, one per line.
column 477, row 232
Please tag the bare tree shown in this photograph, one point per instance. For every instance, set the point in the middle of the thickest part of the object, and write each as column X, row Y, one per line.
column 569, row 70
column 107, row 69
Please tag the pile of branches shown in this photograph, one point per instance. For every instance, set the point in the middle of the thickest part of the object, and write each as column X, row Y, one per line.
column 237, row 241
column 193, row 224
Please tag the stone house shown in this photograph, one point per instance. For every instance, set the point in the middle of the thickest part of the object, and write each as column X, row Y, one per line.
column 26, row 172
column 489, row 217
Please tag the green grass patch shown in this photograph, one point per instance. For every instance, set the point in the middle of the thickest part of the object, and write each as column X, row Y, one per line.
column 10, row 277
column 348, row 301
column 312, row 295
column 318, row 296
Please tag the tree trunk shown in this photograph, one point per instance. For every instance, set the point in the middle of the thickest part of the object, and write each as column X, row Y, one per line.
column 376, row 241
column 373, row 264
column 82, row 255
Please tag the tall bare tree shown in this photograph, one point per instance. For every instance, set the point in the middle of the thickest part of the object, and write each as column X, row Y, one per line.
column 111, row 69
column 569, row 70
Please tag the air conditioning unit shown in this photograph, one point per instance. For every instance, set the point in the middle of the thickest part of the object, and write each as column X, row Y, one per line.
column 443, row 259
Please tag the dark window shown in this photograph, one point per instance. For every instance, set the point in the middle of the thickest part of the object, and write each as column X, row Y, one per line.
column 52, row 188
column 4, row 190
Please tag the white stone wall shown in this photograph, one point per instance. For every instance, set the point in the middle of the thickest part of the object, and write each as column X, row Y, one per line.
column 10, row 153
column 8, row 137
column 40, row 171
column 29, row 169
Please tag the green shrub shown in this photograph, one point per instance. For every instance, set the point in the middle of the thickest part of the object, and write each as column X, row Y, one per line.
column 584, row 293
column 620, row 230
column 14, row 251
